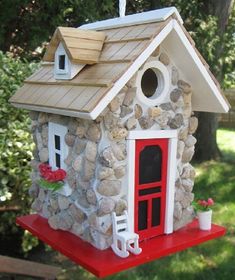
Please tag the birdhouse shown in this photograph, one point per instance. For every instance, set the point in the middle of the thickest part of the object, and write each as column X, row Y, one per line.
column 112, row 109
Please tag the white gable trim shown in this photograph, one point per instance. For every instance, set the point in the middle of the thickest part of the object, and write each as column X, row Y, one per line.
column 131, row 71
column 140, row 18
column 200, row 65
column 171, row 135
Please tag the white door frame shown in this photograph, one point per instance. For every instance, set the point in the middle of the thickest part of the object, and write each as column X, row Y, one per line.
column 171, row 172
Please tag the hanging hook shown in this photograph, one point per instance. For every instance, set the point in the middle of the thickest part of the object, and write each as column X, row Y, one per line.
column 122, row 8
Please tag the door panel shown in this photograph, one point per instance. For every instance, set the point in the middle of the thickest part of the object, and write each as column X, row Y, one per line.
column 150, row 186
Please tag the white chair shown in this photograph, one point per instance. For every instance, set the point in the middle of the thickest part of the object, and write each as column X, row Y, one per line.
column 123, row 237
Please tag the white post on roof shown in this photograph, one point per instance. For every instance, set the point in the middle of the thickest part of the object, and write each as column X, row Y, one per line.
column 122, row 8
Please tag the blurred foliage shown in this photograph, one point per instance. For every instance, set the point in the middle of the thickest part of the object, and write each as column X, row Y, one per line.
column 15, row 143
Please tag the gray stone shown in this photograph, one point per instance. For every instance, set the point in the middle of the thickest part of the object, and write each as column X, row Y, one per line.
column 54, row 221
column 78, row 215
column 91, row 197
column 80, row 145
column 54, row 203
column 110, row 121
column 164, row 58
column 34, row 190
column 69, row 139
column 83, row 185
column 71, row 178
column 82, row 200
column 46, row 211
column 42, row 195
column 187, row 184
column 180, row 149
column 119, row 151
column 163, row 119
column 186, row 217
column 99, row 239
column 39, row 141
column 174, row 75
column 44, row 134
column 43, row 155
column 186, row 88
column 120, row 206
column 131, row 123
column 115, row 104
column 187, row 98
column 42, row 118
column 154, row 112
column 178, row 210
column 146, row 122
column 106, row 206
column 77, row 229
column 69, row 159
column 63, row 202
column 80, row 131
column 188, row 172
column 187, row 154
column 190, row 141
column 72, row 125
column 93, row 133
column 187, row 199
column 65, row 221
column 89, row 170
column 33, row 115
column 63, row 120
column 109, row 187
column 125, row 110
column 175, row 94
column 179, row 194
column 183, row 133
column 129, row 98
column 187, row 111
column 91, row 151
column 105, row 173
column 138, row 111
column 193, row 124
column 176, row 122
column 120, row 171
column 166, row 106
column 107, row 157
column 118, row 134
column 37, row 205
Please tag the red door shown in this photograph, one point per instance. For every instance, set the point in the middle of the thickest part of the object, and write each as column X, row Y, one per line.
column 150, row 186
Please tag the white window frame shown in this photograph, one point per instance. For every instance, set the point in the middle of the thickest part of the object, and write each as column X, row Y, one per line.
column 163, row 87
column 171, row 135
column 59, row 130
column 61, row 51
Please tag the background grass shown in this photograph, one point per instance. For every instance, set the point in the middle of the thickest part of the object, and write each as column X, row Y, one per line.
column 212, row 260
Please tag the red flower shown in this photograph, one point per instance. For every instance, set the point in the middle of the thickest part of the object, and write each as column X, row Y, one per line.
column 210, row 202
column 51, row 176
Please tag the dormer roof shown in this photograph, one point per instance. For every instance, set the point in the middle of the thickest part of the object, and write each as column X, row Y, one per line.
column 81, row 46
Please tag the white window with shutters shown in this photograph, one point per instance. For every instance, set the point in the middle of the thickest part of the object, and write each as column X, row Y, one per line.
column 58, row 150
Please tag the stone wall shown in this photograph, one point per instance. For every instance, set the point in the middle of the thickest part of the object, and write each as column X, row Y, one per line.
column 97, row 161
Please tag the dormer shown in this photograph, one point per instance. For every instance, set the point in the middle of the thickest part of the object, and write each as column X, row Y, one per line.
column 71, row 49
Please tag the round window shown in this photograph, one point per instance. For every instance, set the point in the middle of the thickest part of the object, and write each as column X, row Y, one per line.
column 153, row 83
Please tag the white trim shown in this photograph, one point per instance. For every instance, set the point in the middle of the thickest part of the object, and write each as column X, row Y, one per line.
column 131, row 71
column 163, row 83
column 200, row 65
column 131, row 182
column 171, row 172
column 61, row 73
column 170, row 190
column 140, row 18
column 148, row 134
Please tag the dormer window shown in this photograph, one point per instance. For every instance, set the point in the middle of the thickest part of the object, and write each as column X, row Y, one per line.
column 62, row 62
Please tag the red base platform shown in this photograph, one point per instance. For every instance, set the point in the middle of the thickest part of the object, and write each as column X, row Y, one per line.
column 104, row 263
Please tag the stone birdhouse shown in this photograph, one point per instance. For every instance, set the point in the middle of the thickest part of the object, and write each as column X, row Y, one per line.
column 112, row 105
